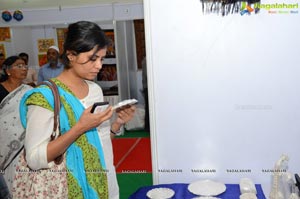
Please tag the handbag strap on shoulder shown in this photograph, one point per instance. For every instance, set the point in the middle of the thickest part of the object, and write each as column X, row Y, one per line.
column 53, row 87
column 51, row 84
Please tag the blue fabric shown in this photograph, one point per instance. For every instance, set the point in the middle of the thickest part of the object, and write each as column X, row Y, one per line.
column 182, row 192
column 73, row 153
column 46, row 72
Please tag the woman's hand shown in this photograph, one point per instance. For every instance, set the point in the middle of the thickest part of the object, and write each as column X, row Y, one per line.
column 90, row 120
column 124, row 115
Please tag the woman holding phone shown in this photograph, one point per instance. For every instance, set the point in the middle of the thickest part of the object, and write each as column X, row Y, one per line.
column 85, row 137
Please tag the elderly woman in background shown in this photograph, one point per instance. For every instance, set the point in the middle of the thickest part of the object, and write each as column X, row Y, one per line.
column 12, row 133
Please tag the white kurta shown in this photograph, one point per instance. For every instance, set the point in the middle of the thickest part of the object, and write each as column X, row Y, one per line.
column 39, row 129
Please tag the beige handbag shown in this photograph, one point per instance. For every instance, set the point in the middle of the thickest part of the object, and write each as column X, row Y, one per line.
column 44, row 183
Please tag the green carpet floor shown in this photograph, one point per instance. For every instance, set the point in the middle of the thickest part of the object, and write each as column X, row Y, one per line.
column 137, row 133
column 129, row 183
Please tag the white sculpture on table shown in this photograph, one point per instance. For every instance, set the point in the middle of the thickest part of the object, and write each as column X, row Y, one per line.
column 283, row 186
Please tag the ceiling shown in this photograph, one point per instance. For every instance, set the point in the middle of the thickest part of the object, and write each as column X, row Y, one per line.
column 35, row 4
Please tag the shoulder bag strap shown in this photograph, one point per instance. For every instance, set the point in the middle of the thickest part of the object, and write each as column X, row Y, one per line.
column 51, row 84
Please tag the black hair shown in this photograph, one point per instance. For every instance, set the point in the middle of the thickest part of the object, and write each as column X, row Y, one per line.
column 24, row 55
column 8, row 62
column 83, row 36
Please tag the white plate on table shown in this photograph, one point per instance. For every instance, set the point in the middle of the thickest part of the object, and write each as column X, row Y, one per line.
column 160, row 193
column 206, row 197
column 207, row 188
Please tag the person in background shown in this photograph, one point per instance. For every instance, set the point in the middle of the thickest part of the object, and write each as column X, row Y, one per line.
column 2, row 58
column 25, row 57
column 53, row 68
column 12, row 133
column 145, row 92
column 86, row 137
column 31, row 78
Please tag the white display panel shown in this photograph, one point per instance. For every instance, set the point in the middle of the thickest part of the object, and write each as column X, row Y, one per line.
column 224, row 92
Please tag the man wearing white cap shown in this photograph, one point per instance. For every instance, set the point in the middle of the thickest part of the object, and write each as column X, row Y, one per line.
column 53, row 68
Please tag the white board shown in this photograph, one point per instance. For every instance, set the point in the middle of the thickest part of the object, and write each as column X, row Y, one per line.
column 224, row 92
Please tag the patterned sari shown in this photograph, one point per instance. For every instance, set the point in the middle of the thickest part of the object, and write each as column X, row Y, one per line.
column 86, row 176
column 12, row 133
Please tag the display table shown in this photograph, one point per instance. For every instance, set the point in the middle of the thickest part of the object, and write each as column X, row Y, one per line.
column 181, row 191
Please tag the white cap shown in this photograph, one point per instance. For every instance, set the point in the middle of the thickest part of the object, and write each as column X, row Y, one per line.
column 54, row 47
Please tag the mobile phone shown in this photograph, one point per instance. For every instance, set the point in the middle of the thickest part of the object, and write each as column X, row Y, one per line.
column 124, row 103
column 99, row 107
